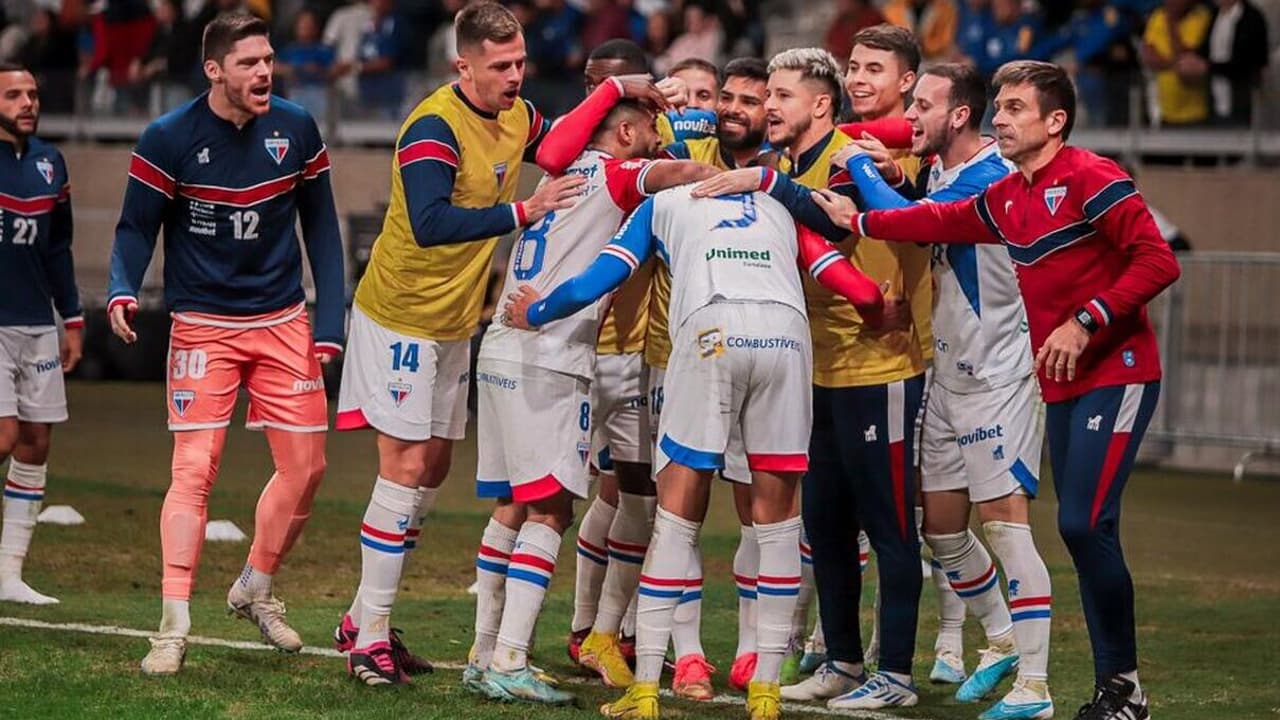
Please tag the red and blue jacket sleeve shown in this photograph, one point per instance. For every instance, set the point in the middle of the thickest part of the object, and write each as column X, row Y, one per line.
column 539, row 126
column 58, row 263
column 320, row 233
column 624, row 254
column 963, row 222
column 833, row 270
column 1120, row 215
column 151, row 187
column 427, row 155
column 569, row 135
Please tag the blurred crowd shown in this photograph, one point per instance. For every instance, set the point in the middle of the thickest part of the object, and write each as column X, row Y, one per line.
column 1193, row 62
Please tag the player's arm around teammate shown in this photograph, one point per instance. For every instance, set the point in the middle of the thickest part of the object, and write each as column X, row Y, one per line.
column 38, row 276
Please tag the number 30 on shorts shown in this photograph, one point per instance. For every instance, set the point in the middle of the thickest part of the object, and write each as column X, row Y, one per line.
column 189, row 364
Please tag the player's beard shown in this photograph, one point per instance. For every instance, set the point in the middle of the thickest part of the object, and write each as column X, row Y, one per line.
column 934, row 142
column 752, row 138
column 10, row 125
column 792, row 134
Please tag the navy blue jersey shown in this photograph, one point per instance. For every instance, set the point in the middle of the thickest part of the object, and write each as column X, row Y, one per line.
column 35, row 237
column 228, row 199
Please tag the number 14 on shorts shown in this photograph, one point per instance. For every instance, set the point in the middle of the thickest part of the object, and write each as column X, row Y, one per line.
column 404, row 356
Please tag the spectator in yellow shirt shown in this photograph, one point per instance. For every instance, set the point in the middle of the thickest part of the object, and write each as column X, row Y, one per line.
column 1174, row 34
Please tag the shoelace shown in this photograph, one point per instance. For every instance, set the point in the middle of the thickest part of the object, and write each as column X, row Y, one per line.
column 382, row 658
column 167, row 643
column 828, row 671
column 698, row 669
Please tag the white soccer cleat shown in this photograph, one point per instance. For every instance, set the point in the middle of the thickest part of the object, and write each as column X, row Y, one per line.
column 13, row 589
column 948, row 668
column 879, row 691
column 166, row 655
column 1028, row 700
column 827, row 681
column 268, row 615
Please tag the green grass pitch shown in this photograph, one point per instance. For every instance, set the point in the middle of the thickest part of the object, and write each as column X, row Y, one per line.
column 1203, row 553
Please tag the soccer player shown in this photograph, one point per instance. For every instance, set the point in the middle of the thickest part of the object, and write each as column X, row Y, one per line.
column 982, row 429
column 541, row 380
column 1089, row 258
column 867, row 385
column 740, row 358
column 38, row 276
column 227, row 176
column 453, row 180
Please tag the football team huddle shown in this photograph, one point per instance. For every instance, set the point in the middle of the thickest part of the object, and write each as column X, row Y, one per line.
column 867, row 328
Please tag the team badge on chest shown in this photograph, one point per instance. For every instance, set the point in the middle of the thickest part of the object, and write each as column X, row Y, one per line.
column 278, row 147
column 46, row 170
column 500, row 172
column 1053, row 198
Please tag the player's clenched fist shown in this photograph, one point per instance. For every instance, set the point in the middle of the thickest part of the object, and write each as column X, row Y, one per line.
column 121, row 314
column 556, row 194
column 516, row 313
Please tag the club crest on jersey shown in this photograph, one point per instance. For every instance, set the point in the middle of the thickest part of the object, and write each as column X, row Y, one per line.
column 182, row 399
column 584, row 452
column 278, row 147
column 500, row 172
column 399, row 391
column 46, row 170
column 1053, row 198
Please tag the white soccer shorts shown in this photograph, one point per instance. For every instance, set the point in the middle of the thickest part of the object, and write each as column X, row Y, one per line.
column 745, row 364
column 987, row 443
column 622, row 407
column 533, row 431
column 407, row 387
column 31, row 384
column 735, row 456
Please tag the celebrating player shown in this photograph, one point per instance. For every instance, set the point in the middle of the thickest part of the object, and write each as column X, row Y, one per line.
column 541, row 380
column 740, row 357
column 1089, row 258
column 38, row 276
column 227, row 176
column 982, row 429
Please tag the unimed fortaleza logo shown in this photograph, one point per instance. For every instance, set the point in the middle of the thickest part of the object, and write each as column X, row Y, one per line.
column 733, row 254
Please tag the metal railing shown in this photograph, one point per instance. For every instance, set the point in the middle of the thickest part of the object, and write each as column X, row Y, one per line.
column 1219, row 338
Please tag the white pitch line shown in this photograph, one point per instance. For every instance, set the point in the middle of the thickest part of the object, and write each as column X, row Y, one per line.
column 327, row 652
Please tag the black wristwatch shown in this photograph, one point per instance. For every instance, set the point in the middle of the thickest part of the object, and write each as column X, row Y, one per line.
column 1085, row 318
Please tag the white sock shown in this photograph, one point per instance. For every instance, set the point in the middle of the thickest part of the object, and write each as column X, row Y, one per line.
column 491, row 589
column 592, row 562
column 973, row 576
column 1030, row 594
column 533, row 562
column 426, row 500
column 256, row 582
column 1132, row 676
column 628, row 628
column 686, row 623
column 23, row 496
column 175, row 617
column 808, row 590
column 746, row 566
column 391, row 509
column 951, row 613
column 662, row 583
column 778, row 586
column 628, row 542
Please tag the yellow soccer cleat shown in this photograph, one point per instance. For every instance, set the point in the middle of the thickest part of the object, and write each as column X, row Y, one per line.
column 640, row 702
column 602, row 653
column 764, row 701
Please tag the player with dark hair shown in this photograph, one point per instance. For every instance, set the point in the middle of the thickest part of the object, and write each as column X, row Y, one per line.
column 227, row 176
column 1089, row 258
column 38, row 275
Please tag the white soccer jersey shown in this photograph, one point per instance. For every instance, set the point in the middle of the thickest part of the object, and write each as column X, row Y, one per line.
column 555, row 249
column 734, row 248
column 979, row 324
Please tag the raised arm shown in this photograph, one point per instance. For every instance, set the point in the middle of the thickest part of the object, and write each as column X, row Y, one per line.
column 833, row 270
column 319, row 221
column 624, row 254
column 427, row 155
column 570, row 133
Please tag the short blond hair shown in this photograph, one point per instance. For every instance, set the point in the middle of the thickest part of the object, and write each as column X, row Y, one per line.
column 814, row 64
